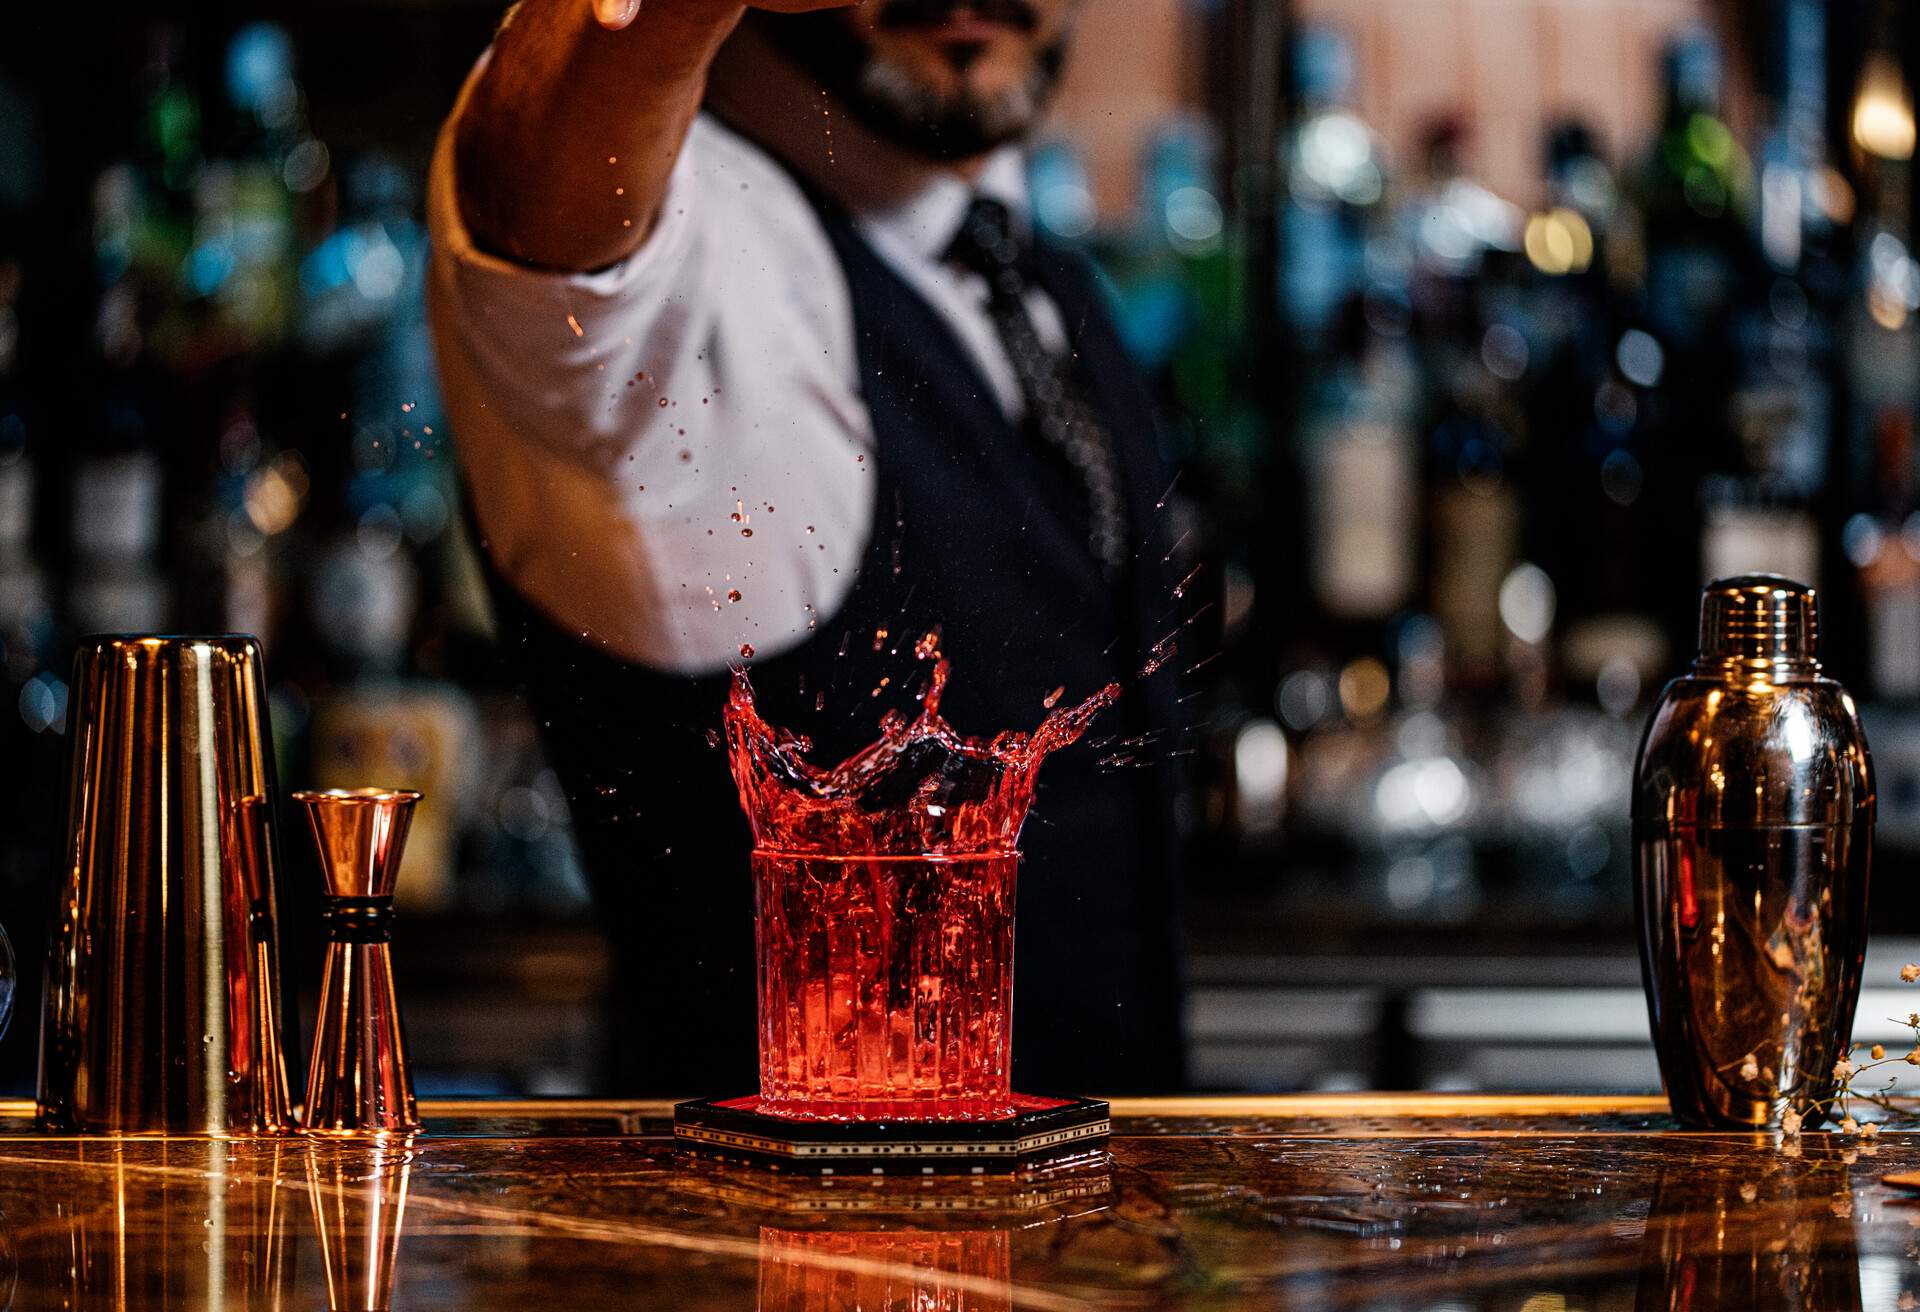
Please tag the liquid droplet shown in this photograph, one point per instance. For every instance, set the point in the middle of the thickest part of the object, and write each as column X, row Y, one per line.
column 733, row 594
column 1052, row 699
column 1162, row 652
column 1161, row 504
column 746, row 650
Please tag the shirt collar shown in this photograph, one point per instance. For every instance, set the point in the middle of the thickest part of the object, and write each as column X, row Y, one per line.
column 926, row 220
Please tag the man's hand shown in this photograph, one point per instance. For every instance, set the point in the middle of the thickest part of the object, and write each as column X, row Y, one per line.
column 616, row 14
column 563, row 150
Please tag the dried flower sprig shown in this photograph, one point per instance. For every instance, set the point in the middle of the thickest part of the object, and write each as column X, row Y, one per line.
column 1848, row 1088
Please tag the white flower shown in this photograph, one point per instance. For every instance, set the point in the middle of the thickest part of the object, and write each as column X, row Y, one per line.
column 1790, row 1123
column 1750, row 1069
column 1844, row 1070
column 1909, row 973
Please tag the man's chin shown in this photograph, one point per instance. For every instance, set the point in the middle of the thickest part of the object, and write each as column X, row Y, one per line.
column 914, row 95
column 910, row 110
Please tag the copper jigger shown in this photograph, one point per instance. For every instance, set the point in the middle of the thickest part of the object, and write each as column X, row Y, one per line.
column 359, row 1082
column 162, row 1012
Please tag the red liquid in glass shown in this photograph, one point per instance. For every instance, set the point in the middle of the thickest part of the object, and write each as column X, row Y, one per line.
column 884, row 890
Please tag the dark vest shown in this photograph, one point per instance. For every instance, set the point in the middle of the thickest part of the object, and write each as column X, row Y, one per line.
column 980, row 532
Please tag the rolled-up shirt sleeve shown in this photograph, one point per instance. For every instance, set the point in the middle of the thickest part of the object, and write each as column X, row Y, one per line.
column 669, row 457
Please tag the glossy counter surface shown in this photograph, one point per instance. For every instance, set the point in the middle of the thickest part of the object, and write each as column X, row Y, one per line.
column 1362, row 1201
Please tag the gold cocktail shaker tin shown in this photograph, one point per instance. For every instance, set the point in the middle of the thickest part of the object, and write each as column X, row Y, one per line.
column 163, row 1012
column 1753, row 809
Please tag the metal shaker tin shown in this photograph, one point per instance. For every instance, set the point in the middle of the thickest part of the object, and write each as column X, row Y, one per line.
column 1753, row 811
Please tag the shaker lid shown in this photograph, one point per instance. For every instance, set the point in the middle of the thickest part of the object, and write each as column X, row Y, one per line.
column 1758, row 617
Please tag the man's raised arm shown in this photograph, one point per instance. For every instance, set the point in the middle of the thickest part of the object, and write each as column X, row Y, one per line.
column 569, row 134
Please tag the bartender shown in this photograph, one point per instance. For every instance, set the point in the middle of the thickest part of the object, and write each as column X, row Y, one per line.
column 755, row 358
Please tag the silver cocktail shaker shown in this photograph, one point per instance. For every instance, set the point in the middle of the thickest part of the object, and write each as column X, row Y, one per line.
column 1753, row 836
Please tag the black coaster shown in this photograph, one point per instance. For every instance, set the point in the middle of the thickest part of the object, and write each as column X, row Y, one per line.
column 1044, row 1132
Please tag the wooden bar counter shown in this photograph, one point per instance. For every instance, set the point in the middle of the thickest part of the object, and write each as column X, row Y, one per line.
column 1361, row 1201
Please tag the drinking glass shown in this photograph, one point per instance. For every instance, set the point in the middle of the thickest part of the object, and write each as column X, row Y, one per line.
column 885, row 985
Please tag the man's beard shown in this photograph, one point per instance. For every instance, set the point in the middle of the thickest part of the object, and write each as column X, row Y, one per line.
column 892, row 102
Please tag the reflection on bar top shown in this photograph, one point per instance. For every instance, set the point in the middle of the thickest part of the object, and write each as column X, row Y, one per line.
column 1345, row 1114
column 1356, row 1201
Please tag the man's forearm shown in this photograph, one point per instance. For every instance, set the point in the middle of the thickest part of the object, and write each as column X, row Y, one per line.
column 568, row 137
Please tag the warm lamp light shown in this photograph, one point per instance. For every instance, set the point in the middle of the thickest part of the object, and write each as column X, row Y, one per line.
column 1883, row 111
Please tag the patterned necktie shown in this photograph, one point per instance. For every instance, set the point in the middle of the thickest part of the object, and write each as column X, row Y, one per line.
column 1059, row 409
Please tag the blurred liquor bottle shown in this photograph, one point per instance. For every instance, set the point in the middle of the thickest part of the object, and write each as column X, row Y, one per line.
column 1764, row 504
column 1883, row 542
column 33, row 678
column 241, row 484
column 1694, row 190
column 116, row 585
column 1335, row 185
column 1693, row 193
column 1587, row 372
column 33, row 689
column 143, row 222
column 1348, row 322
column 1175, row 275
column 1463, row 240
column 1881, row 535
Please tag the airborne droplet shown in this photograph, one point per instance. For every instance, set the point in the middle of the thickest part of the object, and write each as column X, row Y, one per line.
column 1161, row 652
column 746, row 650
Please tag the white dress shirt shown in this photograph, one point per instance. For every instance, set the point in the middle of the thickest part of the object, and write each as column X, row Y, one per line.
column 671, row 457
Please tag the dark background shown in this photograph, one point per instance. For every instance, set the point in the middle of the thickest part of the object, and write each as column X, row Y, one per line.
column 1473, row 373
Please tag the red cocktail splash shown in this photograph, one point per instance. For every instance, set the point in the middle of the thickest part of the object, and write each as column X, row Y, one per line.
column 884, row 895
